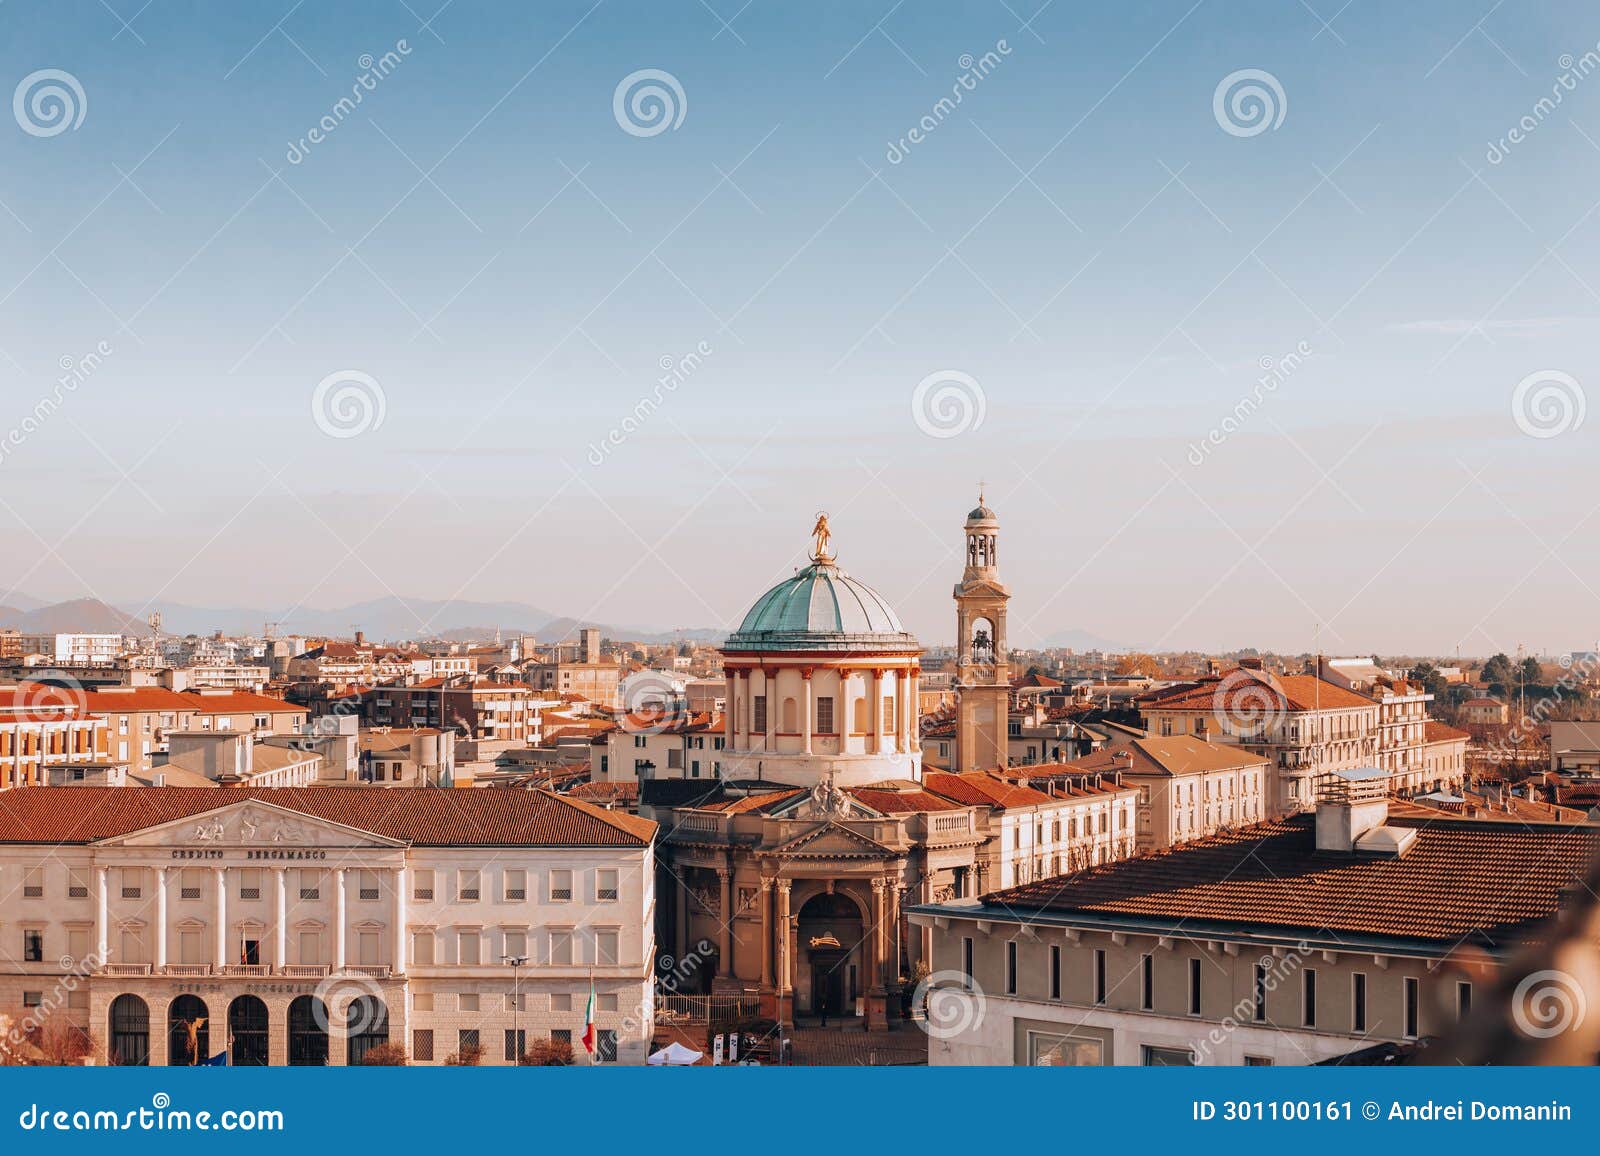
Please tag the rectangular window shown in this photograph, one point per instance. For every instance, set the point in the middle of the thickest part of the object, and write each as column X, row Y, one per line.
column 1258, row 1061
column 467, row 1041
column 1463, row 999
column 250, row 883
column 33, row 883
column 888, row 714
column 1358, row 999
column 368, row 884
column 1194, row 986
column 77, row 885
column 966, row 960
column 132, row 882
column 192, row 884
column 1168, row 1057
column 467, row 1001
column 311, row 947
column 605, row 1046
column 467, row 885
column 422, row 1045
column 310, row 884
column 1260, row 996
column 1147, row 981
column 560, row 885
column 1308, row 1003
column 759, row 715
column 1412, row 1007
column 422, row 885
column 605, row 885
column 77, row 943
column 32, row 946
column 605, row 947
column 1099, row 975
column 825, row 715
column 561, row 947
column 561, row 1036
column 516, row 885
column 516, row 945
column 422, row 948
column 1011, row 967
column 516, row 1044
column 1055, row 971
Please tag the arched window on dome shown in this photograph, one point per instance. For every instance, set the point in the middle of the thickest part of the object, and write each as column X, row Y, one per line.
column 791, row 716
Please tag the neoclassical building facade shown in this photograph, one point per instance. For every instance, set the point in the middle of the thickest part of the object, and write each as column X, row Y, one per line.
column 304, row 926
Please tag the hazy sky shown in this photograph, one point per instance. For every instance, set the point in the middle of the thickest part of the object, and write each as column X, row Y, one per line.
column 1101, row 243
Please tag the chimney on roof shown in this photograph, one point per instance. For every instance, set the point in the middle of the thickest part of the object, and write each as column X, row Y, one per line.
column 361, row 638
column 1352, row 807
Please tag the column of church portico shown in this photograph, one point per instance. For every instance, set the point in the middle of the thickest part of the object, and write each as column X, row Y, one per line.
column 338, row 920
column 400, row 910
column 742, row 741
column 280, row 922
column 809, row 724
column 725, row 958
column 766, row 932
column 785, row 951
column 161, row 918
column 221, row 876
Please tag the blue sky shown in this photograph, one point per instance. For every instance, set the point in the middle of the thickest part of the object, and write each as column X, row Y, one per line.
column 1080, row 238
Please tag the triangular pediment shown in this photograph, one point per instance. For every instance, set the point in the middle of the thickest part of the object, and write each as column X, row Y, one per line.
column 249, row 825
column 834, row 841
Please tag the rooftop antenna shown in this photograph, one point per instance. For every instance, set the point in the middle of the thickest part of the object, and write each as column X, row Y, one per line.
column 269, row 630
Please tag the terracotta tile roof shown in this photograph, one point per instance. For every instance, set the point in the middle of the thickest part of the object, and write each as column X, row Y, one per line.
column 1438, row 732
column 424, row 816
column 143, row 699
column 902, row 802
column 1460, row 880
column 744, row 804
column 981, row 789
column 1245, row 692
column 1181, row 755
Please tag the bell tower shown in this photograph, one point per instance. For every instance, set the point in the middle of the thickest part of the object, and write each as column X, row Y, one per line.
column 983, row 668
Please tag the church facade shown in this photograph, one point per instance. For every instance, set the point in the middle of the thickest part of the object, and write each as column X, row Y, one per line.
column 795, row 866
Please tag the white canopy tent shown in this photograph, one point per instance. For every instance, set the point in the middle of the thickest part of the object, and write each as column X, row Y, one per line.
column 674, row 1055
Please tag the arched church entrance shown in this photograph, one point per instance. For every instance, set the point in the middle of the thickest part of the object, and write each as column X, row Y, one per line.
column 830, row 931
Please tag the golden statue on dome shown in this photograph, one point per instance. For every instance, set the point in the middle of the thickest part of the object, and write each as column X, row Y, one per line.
column 823, row 537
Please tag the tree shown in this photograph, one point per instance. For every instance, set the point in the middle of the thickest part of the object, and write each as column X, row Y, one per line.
column 470, row 1056
column 1497, row 672
column 387, row 1055
column 548, row 1054
column 1532, row 674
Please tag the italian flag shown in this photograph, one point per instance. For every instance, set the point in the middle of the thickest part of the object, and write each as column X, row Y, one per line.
column 588, row 1020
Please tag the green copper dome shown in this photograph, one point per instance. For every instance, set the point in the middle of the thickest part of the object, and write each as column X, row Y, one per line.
column 821, row 608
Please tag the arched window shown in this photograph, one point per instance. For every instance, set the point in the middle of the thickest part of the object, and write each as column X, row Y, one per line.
column 366, row 1025
column 791, row 716
column 247, row 1032
column 308, row 1032
column 188, row 1032
column 130, row 1032
column 863, row 720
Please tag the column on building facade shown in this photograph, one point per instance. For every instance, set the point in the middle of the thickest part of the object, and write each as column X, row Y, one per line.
column 221, row 876
column 785, row 978
column 768, row 685
column 875, row 707
column 338, row 920
column 725, row 960
column 742, row 690
column 280, row 923
column 908, row 710
column 102, row 917
column 875, row 952
column 730, row 695
column 914, row 695
column 766, row 931
column 161, row 918
column 400, row 920
column 680, row 913
column 809, row 719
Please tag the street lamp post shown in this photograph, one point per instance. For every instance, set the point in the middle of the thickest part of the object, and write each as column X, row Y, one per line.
column 516, row 962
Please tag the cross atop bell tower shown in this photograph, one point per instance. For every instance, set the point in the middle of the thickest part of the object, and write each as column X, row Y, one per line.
column 983, row 668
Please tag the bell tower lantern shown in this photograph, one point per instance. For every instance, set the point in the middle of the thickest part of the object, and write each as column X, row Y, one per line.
column 983, row 668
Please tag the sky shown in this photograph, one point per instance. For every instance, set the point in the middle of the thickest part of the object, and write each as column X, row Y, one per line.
column 1305, row 369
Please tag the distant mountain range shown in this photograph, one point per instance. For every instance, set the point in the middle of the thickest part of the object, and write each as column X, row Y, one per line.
column 382, row 619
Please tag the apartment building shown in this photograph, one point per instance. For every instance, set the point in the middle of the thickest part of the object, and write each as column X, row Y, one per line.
column 306, row 926
column 475, row 708
column 690, row 747
column 45, row 730
column 141, row 719
column 1297, row 941
column 74, row 649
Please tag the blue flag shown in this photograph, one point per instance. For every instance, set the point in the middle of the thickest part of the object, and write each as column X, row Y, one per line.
column 220, row 1060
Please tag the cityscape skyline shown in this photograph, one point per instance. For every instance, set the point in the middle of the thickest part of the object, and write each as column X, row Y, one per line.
column 1229, row 384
